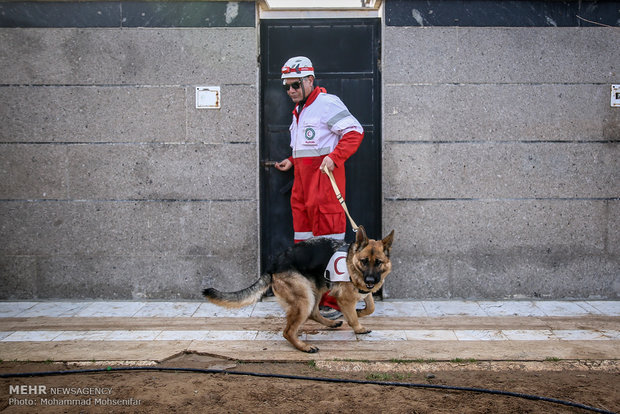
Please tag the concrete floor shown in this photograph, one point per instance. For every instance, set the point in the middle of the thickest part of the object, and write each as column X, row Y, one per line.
column 153, row 331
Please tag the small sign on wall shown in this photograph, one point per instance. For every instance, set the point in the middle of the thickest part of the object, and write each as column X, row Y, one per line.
column 615, row 96
column 207, row 97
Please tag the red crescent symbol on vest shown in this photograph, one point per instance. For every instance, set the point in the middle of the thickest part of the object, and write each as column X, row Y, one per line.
column 336, row 265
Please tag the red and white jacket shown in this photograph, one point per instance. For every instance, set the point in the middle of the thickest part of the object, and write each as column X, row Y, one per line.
column 325, row 127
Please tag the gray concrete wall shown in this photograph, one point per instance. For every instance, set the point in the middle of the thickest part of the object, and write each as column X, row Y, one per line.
column 501, row 153
column 112, row 183
column 501, row 161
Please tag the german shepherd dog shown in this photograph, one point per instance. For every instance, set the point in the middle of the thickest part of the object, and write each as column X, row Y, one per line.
column 297, row 280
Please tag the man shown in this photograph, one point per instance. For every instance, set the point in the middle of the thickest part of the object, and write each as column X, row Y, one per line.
column 323, row 133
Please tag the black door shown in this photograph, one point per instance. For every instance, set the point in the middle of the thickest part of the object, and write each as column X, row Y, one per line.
column 345, row 55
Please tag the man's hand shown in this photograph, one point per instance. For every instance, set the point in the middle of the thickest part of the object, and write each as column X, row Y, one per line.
column 329, row 163
column 284, row 165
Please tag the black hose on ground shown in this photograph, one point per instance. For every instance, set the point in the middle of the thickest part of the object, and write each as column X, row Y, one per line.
column 319, row 379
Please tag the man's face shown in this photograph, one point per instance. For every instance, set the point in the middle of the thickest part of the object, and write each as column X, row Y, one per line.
column 298, row 88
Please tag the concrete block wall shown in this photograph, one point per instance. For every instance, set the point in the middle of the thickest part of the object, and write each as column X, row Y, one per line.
column 112, row 184
column 501, row 152
column 500, row 159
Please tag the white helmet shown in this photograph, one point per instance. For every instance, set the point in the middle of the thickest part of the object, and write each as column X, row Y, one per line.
column 297, row 67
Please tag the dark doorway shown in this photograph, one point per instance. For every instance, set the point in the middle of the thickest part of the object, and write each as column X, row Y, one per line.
column 345, row 55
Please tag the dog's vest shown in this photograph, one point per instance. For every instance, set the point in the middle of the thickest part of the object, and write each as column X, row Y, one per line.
column 336, row 270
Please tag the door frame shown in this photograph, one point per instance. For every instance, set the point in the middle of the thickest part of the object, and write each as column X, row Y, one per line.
column 377, row 120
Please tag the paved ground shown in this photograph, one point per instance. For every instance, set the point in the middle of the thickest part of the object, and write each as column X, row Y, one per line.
column 148, row 331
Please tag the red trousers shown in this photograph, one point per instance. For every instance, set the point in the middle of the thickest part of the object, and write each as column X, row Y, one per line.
column 316, row 210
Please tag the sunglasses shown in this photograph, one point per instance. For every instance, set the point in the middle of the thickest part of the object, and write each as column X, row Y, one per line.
column 295, row 85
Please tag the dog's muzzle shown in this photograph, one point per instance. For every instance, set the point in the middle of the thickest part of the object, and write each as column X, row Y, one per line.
column 371, row 279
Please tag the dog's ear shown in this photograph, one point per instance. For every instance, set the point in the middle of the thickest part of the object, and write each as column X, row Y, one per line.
column 387, row 243
column 361, row 240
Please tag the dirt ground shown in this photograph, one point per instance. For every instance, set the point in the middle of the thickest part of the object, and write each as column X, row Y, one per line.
column 595, row 384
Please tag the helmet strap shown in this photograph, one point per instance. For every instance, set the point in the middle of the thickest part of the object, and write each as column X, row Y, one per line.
column 303, row 95
column 303, row 90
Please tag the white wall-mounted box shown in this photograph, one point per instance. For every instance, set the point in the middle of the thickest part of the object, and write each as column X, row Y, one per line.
column 615, row 95
column 208, row 97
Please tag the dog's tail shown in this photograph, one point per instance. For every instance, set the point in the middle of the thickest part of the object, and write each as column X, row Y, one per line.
column 241, row 298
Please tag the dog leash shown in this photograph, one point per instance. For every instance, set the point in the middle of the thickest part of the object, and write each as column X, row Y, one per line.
column 339, row 197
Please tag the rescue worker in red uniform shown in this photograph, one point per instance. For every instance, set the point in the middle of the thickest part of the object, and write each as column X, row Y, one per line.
column 323, row 133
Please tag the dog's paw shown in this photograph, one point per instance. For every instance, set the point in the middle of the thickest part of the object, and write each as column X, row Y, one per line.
column 312, row 350
column 336, row 325
column 363, row 331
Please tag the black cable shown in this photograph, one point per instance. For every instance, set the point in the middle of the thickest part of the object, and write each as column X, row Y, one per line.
column 319, row 379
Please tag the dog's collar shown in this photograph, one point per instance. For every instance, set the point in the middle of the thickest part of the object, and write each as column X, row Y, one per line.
column 363, row 292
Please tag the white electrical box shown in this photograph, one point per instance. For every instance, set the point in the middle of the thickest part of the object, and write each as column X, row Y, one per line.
column 208, row 97
column 615, row 95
